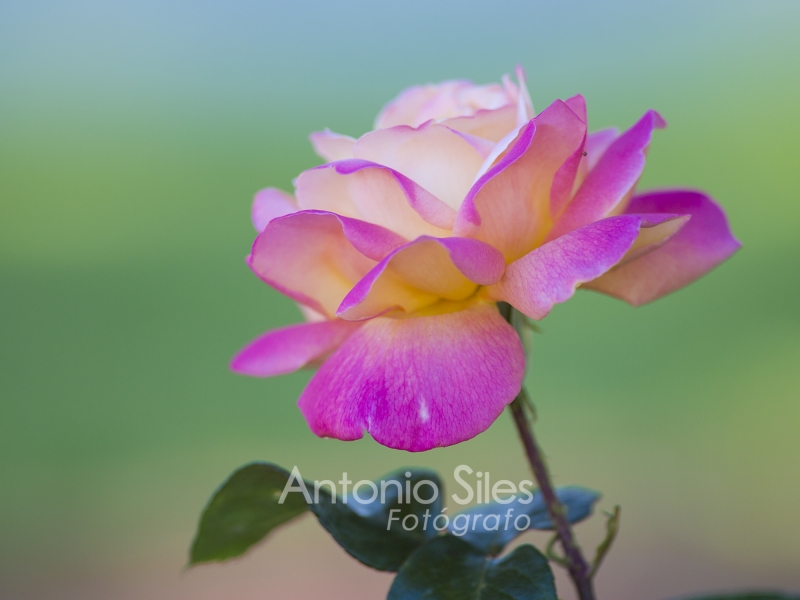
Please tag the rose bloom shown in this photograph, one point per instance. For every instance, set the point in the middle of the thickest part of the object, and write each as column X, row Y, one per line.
column 399, row 247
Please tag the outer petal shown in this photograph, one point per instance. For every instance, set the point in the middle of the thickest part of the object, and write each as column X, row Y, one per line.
column 315, row 257
column 612, row 179
column 551, row 273
column 573, row 172
column 271, row 203
column 436, row 157
column 578, row 105
column 564, row 179
column 508, row 207
column 596, row 145
column 374, row 193
column 419, row 382
column 702, row 244
column 332, row 146
column 420, row 273
column 291, row 348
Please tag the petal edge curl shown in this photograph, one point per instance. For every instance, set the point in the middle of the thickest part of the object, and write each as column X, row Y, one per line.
column 365, row 190
column 551, row 273
column 288, row 349
column 702, row 244
column 315, row 257
column 612, row 179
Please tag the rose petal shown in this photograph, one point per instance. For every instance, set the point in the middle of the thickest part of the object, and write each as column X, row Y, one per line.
column 551, row 273
column 271, row 203
column 332, row 146
column 422, row 272
column 574, row 171
column 416, row 105
column 364, row 190
column 482, row 146
column 436, row 157
column 577, row 104
column 291, row 348
column 508, row 207
column 596, row 145
column 564, row 179
column 492, row 125
column 419, row 382
column 612, row 179
column 704, row 242
column 315, row 257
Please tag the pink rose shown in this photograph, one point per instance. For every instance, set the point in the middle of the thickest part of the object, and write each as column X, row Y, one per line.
column 400, row 246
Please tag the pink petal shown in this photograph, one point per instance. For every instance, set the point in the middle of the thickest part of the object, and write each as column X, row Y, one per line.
column 482, row 146
column 564, row 179
column 449, row 99
column 315, row 257
column 574, row 171
column 578, row 105
column 422, row 272
column 492, row 125
column 419, row 382
column 596, row 145
column 508, row 207
column 704, row 242
column 612, row 179
column 437, row 158
column 406, row 109
column 269, row 204
column 551, row 273
column 364, row 190
column 332, row 146
column 291, row 348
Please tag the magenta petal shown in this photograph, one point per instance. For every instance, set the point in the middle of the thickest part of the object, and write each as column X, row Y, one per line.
column 612, row 179
column 704, row 242
column 271, row 203
column 564, row 181
column 578, row 105
column 597, row 143
column 420, row 382
column 291, row 348
column 315, row 257
column 508, row 207
column 551, row 273
column 421, row 272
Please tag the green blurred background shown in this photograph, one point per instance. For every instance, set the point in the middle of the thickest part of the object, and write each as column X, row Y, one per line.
column 132, row 138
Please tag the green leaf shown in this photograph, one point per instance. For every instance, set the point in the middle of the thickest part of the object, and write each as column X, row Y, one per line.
column 364, row 530
column 492, row 526
column 243, row 511
column 448, row 568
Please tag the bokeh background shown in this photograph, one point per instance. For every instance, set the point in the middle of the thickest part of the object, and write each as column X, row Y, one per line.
column 132, row 138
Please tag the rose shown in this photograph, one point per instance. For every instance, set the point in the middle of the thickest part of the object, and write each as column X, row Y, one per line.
column 399, row 247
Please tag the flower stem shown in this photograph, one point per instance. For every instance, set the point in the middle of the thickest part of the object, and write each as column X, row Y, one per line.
column 579, row 569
